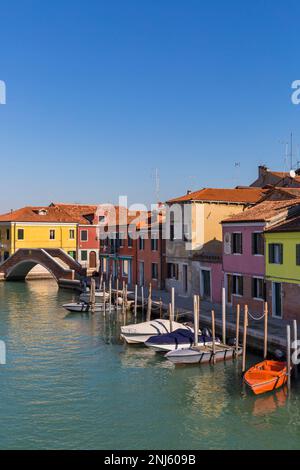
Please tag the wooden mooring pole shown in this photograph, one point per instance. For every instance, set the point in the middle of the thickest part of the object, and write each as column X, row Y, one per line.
column 110, row 294
column 93, row 295
column 237, row 329
column 196, row 320
column 143, row 299
column 223, row 315
column 245, row 338
column 265, row 330
column 135, row 300
column 213, row 328
column 173, row 301
column 171, row 317
column 149, row 303
column 295, row 348
column 288, row 354
column 104, row 298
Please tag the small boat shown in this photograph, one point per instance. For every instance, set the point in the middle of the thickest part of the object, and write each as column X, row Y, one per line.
column 202, row 354
column 179, row 339
column 141, row 332
column 266, row 376
column 85, row 296
column 82, row 307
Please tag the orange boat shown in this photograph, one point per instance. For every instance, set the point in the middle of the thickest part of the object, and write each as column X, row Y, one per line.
column 266, row 376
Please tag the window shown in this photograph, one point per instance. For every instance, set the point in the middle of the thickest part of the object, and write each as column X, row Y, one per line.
column 154, row 244
column 298, row 255
column 154, row 271
column 72, row 234
column 84, row 235
column 237, row 243
column 237, row 285
column 84, row 255
column 129, row 241
column 258, row 288
column 257, row 244
column 275, row 253
column 7, row 234
column 172, row 271
column 121, row 240
column 102, row 218
column 125, row 268
column 20, row 234
column 72, row 254
column 172, row 227
column 141, row 243
column 52, row 234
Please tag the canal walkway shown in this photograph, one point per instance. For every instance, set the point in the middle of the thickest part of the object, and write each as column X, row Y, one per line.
column 255, row 331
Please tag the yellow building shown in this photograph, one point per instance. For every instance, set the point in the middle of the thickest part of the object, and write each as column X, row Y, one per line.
column 283, row 268
column 38, row 227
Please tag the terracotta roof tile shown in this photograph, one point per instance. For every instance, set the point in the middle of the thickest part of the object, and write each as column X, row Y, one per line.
column 41, row 214
column 265, row 211
column 236, row 195
column 291, row 225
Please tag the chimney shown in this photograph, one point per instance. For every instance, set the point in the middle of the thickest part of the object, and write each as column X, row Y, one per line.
column 189, row 192
column 262, row 171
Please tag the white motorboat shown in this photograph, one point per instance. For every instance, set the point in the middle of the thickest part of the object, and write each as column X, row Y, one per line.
column 82, row 307
column 85, row 296
column 141, row 332
column 179, row 339
column 202, row 354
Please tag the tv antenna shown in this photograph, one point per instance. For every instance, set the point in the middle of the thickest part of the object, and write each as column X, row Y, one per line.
column 157, row 184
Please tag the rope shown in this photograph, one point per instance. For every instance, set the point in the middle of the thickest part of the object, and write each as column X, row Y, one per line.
column 256, row 318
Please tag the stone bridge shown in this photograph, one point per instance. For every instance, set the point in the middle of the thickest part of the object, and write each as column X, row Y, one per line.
column 56, row 261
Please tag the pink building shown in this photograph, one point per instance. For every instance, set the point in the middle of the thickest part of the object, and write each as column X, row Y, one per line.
column 244, row 248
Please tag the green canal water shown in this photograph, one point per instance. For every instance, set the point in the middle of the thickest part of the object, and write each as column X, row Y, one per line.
column 70, row 384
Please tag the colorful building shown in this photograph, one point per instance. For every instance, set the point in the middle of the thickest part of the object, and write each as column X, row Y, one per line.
column 89, row 218
column 38, row 227
column 244, row 248
column 283, row 268
column 194, row 244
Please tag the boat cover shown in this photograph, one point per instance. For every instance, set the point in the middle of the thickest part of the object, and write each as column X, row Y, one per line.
column 178, row 338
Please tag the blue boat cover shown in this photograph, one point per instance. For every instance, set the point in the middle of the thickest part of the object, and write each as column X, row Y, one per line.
column 177, row 337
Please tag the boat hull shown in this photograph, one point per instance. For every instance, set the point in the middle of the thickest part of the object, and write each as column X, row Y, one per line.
column 266, row 376
column 82, row 307
column 202, row 354
column 141, row 332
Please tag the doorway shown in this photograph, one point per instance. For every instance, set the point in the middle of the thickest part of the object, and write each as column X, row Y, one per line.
column 276, row 300
column 93, row 259
column 205, row 284
column 141, row 273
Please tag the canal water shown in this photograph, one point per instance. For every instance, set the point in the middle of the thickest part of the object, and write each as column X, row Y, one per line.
column 69, row 383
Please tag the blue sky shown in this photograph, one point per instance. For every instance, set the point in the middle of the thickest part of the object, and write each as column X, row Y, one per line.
column 100, row 93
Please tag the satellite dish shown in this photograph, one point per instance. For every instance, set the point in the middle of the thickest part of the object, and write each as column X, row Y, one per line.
column 292, row 174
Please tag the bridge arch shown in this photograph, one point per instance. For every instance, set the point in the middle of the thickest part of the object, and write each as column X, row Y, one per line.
column 59, row 264
column 19, row 271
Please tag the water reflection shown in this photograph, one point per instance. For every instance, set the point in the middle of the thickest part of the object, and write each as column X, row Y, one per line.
column 269, row 403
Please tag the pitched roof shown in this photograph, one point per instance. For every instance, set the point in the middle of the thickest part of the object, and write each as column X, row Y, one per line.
column 291, row 225
column 236, row 195
column 41, row 214
column 266, row 211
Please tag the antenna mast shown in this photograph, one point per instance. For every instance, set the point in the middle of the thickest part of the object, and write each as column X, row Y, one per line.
column 291, row 155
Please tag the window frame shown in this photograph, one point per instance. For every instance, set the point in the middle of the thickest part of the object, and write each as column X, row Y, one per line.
column 271, row 254
column 87, row 235
column 52, row 232
column 18, row 234
column 233, row 243
column 154, row 278
column 253, row 244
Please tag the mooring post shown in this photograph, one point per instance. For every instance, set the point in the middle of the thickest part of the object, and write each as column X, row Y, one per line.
column 135, row 300
column 143, row 299
column 171, row 317
column 93, row 295
column 288, row 354
column 110, row 294
column 245, row 337
column 104, row 298
column 237, row 330
column 223, row 315
column 198, row 307
column 295, row 343
column 117, row 292
column 149, row 303
column 173, row 301
column 196, row 320
column 266, row 330
column 213, row 328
